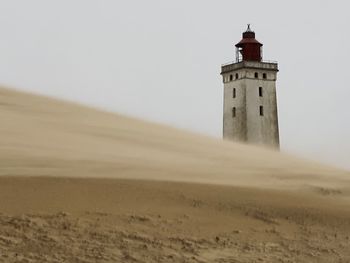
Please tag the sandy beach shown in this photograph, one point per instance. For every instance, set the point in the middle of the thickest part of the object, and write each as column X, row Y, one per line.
column 83, row 185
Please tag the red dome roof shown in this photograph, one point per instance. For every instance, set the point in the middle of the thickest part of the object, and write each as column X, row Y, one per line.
column 248, row 37
column 246, row 41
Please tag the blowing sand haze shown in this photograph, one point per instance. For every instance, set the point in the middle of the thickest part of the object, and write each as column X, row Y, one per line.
column 82, row 185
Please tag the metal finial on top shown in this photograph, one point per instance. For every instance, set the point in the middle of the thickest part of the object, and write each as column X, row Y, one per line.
column 248, row 29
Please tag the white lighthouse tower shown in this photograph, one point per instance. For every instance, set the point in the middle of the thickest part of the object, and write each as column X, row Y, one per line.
column 250, row 105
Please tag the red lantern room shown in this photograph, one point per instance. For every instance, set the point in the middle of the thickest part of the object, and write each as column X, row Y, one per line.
column 249, row 49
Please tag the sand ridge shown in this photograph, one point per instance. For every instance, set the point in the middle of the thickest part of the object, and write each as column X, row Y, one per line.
column 40, row 135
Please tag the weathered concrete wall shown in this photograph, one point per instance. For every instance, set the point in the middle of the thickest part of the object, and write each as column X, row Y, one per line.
column 248, row 125
column 235, row 127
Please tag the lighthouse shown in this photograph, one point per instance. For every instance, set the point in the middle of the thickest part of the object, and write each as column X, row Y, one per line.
column 250, row 103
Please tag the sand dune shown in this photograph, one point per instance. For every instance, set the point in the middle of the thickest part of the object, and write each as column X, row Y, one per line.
column 82, row 185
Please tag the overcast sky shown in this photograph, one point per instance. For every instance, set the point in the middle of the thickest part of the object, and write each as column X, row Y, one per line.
column 160, row 60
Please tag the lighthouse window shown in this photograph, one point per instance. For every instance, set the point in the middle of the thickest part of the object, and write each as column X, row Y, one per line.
column 256, row 75
column 260, row 92
column 236, row 75
column 231, row 77
column 261, row 111
column 234, row 93
column 264, row 75
column 233, row 112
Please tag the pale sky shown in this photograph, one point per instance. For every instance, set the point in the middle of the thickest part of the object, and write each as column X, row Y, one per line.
column 160, row 60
